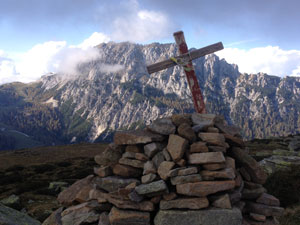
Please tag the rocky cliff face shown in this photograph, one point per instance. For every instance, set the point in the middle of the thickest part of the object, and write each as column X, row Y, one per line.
column 115, row 93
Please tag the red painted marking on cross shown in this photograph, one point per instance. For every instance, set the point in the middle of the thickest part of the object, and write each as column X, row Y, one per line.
column 185, row 60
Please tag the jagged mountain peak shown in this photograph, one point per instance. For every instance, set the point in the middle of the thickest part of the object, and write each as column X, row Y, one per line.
column 115, row 92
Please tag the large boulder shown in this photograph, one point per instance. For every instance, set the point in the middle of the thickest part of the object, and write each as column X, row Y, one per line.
column 10, row 216
column 196, row 217
column 256, row 172
column 70, row 195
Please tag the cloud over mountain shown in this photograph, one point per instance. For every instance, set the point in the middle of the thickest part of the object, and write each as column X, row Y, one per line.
column 270, row 59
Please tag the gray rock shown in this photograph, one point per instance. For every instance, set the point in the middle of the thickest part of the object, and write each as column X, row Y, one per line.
column 112, row 184
column 148, row 178
column 186, row 179
column 223, row 202
column 163, row 126
column 152, row 189
column 294, row 145
column 201, row 126
column 206, row 158
column 166, row 154
column 187, row 171
column 132, row 162
column 151, row 149
column 109, row 156
column 10, row 216
column 198, row 118
column 128, row 217
column 69, row 195
column 54, row 218
column 104, row 219
column 12, row 201
column 149, row 167
column 158, row 159
column 136, row 137
column 184, row 203
column 276, row 163
column 80, row 215
column 199, row 217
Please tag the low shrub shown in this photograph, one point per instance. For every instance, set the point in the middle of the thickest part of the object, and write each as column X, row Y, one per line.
column 285, row 185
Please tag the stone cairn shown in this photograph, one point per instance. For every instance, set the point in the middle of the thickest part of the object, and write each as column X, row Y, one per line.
column 188, row 169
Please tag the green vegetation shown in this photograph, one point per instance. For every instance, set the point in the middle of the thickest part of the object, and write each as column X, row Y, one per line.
column 291, row 216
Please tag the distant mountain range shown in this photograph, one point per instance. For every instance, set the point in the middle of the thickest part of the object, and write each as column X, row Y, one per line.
column 116, row 93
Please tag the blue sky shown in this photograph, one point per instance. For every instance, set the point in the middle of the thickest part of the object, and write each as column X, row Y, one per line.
column 38, row 36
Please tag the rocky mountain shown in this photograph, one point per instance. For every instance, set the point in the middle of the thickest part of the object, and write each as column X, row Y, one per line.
column 115, row 92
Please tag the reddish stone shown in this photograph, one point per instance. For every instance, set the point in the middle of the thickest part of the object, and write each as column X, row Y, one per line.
column 230, row 162
column 251, row 185
column 256, row 172
column 212, row 130
column 133, row 148
column 227, row 173
column 164, row 169
column 110, row 156
column 245, row 174
column 181, row 162
column 186, row 131
column 162, row 126
column 187, row 171
column 222, row 202
column 170, row 196
column 234, row 141
column 126, row 171
column 148, row 178
column 214, row 139
column 257, row 217
column 132, row 162
column 186, row 179
column 204, row 188
column 198, row 147
column 268, row 200
column 126, row 217
column 206, row 158
column 141, row 157
column 217, row 148
column 155, row 199
column 149, row 167
column 176, row 146
column 68, row 196
column 136, row 137
column 178, row 119
column 185, row 203
column 103, row 171
column 214, row 166
column 252, row 193
column 264, row 209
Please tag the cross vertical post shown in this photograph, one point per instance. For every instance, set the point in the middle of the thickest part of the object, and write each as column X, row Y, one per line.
column 190, row 74
column 185, row 60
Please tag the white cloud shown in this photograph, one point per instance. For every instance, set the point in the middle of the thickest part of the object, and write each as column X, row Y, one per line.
column 270, row 59
column 95, row 39
column 139, row 25
column 52, row 56
column 37, row 61
column 67, row 60
column 296, row 72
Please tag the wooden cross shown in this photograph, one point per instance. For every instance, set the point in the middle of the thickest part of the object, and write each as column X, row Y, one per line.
column 185, row 60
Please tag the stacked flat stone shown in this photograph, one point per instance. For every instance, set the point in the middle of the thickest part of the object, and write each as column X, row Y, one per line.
column 187, row 169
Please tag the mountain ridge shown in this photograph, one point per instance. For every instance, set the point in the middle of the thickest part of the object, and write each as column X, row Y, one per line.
column 115, row 92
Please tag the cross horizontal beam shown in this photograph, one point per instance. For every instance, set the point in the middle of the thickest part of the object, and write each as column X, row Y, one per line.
column 187, row 57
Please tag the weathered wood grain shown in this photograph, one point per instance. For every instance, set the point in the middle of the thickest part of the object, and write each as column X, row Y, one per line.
column 185, row 57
